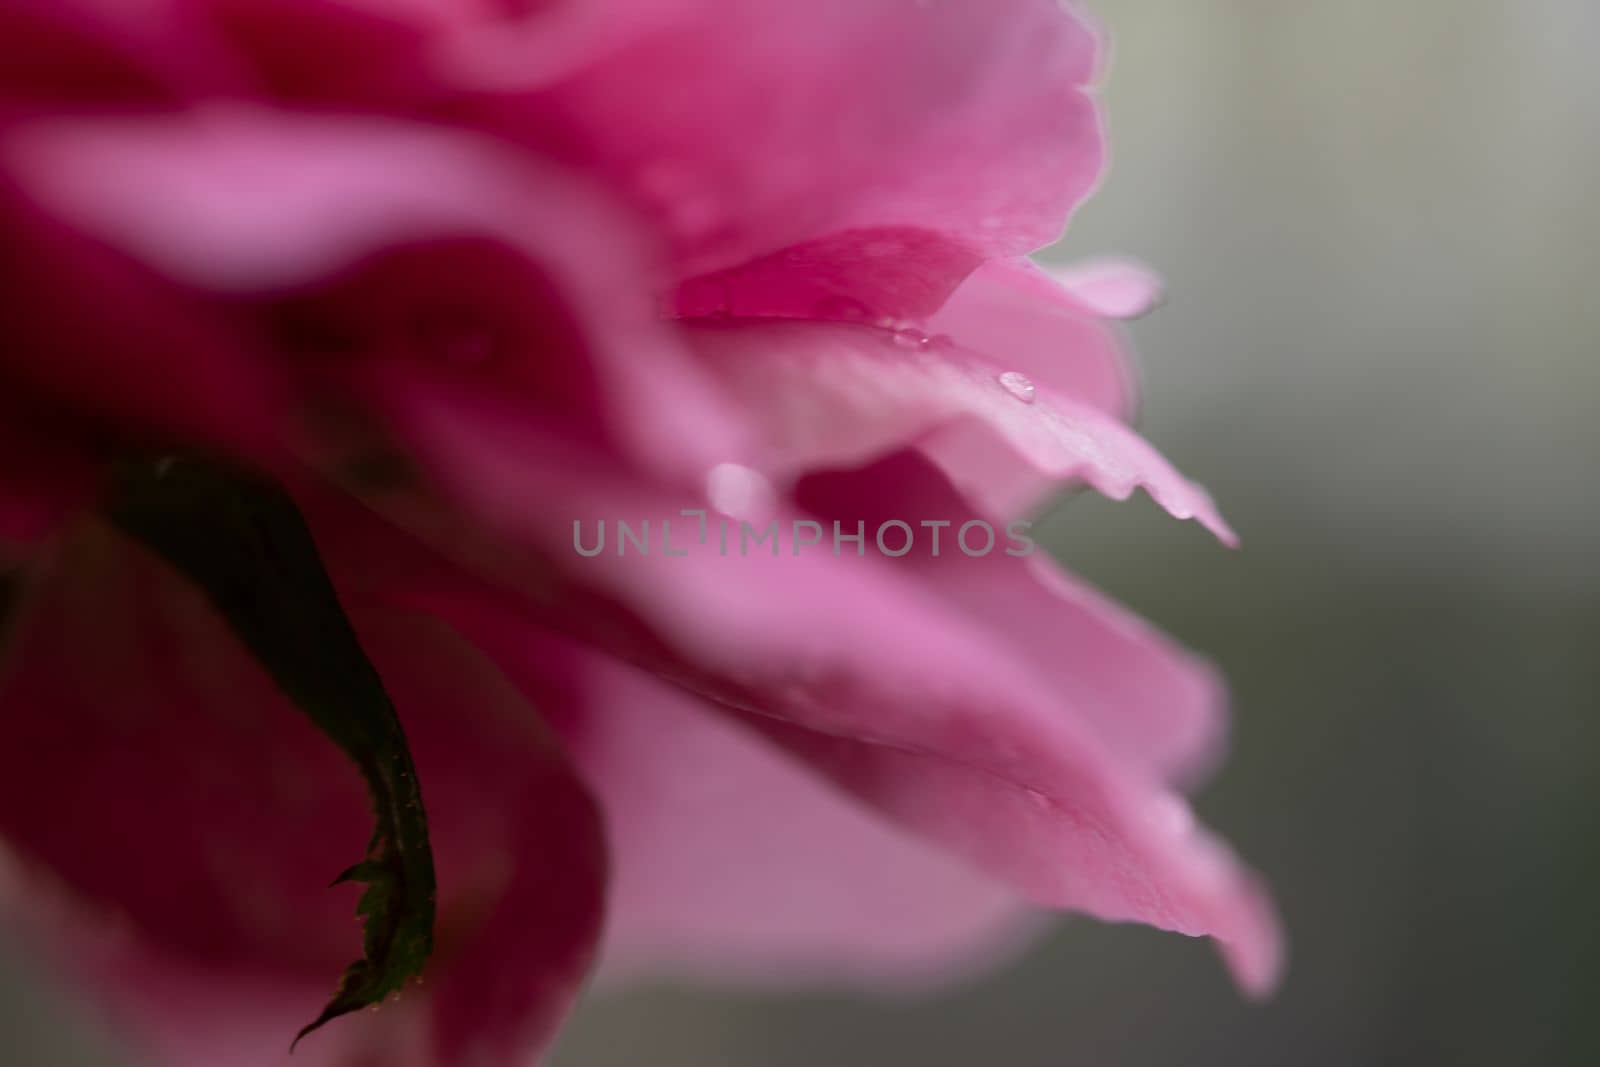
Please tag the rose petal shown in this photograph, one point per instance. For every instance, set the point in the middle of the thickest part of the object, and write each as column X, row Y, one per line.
column 965, row 118
column 1114, row 288
column 1019, row 316
column 730, row 861
column 865, row 275
column 134, row 366
column 253, row 202
column 1156, row 704
column 844, row 647
column 1098, row 844
column 125, row 684
column 839, row 395
column 83, row 53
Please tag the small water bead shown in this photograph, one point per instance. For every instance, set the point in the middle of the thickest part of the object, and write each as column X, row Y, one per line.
column 910, row 337
column 1018, row 385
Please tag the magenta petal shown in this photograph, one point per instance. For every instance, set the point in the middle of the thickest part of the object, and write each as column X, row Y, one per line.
column 860, row 275
column 125, row 684
column 968, row 118
column 259, row 203
column 838, row 395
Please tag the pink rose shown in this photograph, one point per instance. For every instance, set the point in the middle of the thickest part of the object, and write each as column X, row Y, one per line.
column 468, row 284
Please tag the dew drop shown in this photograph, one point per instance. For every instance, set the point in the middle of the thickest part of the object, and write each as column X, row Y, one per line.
column 1018, row 385
column 740, row 492
column 910, row 337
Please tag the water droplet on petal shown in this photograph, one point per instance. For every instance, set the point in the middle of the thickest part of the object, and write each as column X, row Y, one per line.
column 910, row 337
column 1018, row 385
column 740, row 492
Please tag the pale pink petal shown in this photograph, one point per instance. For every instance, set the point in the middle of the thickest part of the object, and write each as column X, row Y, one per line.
column 1026, row 321
column 1114, row 288
column 838, row 395
column 1155, row 703
column 732, row 861
column 125, row 684
column 1090, row 844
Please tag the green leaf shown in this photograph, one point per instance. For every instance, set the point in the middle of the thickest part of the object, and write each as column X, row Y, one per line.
column 242, row 540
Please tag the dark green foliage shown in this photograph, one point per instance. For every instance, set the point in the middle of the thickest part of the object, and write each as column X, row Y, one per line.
column 242, row 540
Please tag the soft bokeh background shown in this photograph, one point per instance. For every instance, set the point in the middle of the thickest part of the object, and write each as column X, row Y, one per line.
column 1379, row 225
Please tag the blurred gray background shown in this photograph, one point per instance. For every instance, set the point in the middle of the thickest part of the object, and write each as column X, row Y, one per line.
column 1378, row 228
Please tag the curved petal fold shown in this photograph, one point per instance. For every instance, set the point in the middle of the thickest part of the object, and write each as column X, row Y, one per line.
column 732, row 861
column 969, row 118
column 833, row 395
column 1018, row 315
column 873, row 677
column 389, row 242
column 1158, row 705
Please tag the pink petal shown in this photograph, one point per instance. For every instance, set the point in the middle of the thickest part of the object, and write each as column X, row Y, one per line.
column 1090, row 844
column 966, row 118
column 732, row 861
column 136, row 365
column 1156, row 704
column 855, row 276
column 124, row 685
column 263, row 204
column 1113, row 288
column 839, row 395
column 908, row 684
column 1019, row 316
